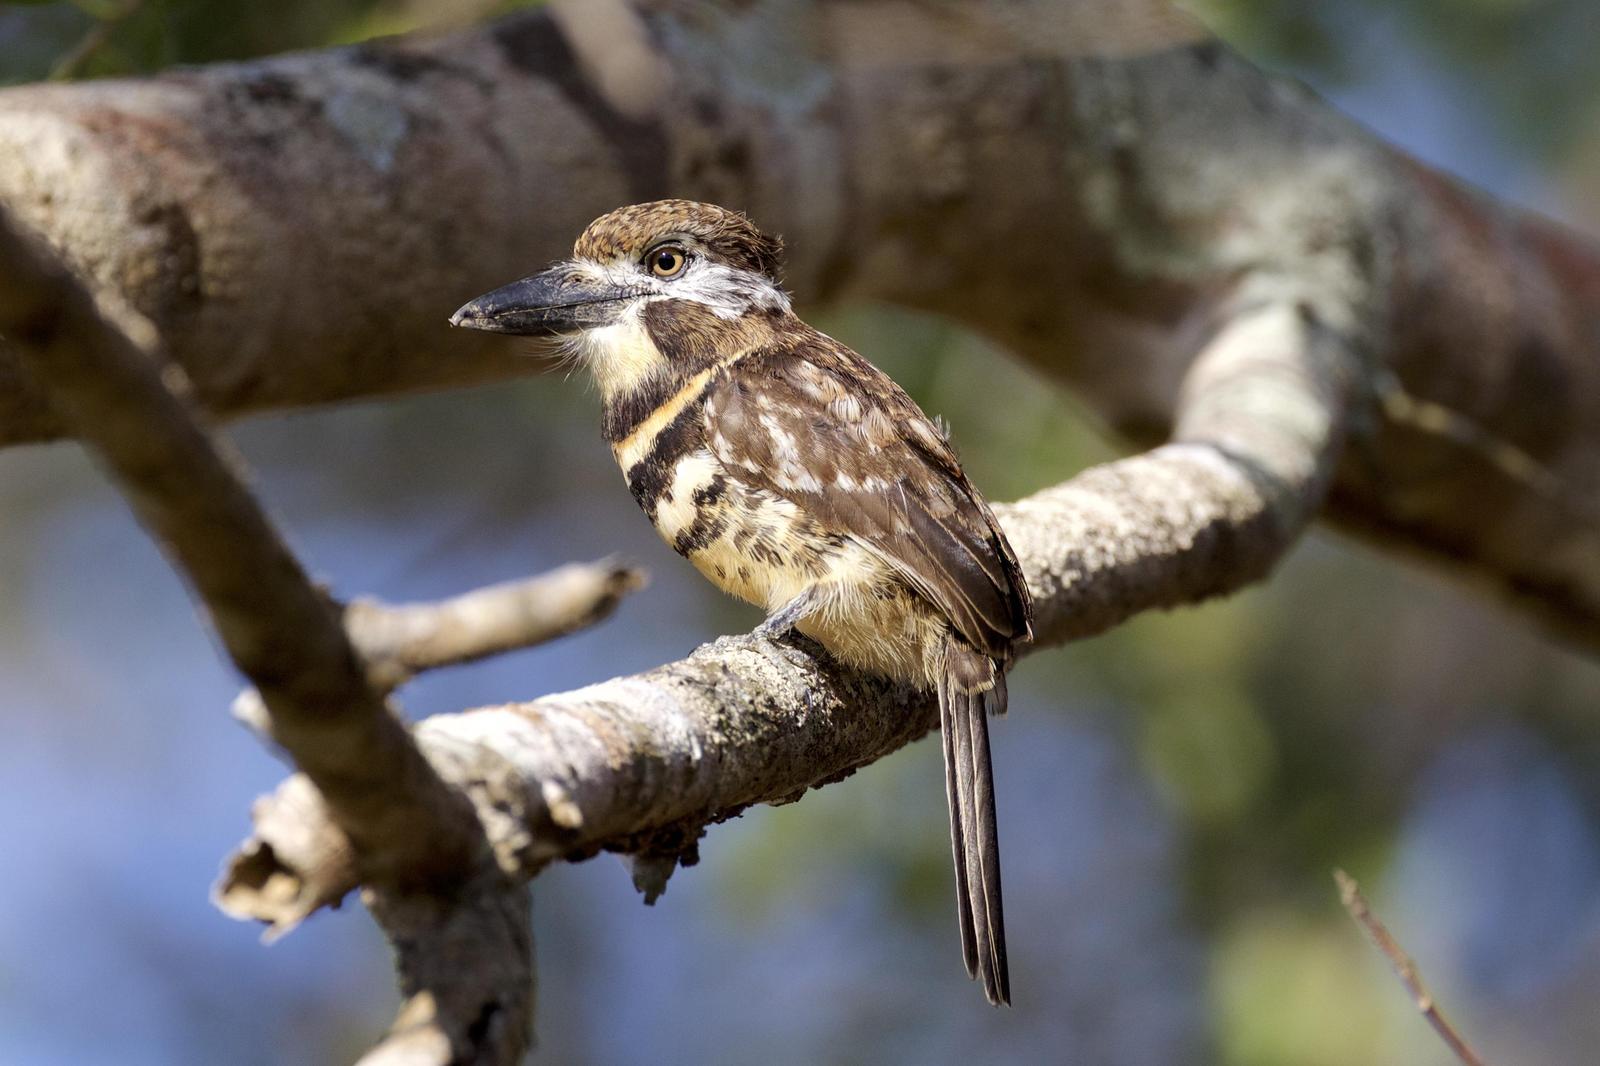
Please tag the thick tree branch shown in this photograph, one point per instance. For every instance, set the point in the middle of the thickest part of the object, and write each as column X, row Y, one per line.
column 642, row 764
column 100, row 367
column 415, row 839
column 466, row 972
column 1082, row 179
column 1209, row 256
column 395, row 644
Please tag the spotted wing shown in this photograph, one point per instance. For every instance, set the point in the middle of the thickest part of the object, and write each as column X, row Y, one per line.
column 815, row 423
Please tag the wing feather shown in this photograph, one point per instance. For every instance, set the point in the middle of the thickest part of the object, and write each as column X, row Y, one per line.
column 813, row 422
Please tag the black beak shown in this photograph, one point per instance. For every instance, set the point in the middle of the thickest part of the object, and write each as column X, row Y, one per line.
column 560, row 300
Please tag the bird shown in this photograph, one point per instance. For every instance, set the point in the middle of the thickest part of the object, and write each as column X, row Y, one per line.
column 797, row 476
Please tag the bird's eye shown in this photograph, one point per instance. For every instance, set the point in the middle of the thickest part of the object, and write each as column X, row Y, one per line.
column 667, row 261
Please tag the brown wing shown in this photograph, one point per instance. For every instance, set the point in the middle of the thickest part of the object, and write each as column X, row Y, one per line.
column 815, row 423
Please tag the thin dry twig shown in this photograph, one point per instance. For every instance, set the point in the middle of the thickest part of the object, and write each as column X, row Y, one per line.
column 71, row 64
column 1405, row 969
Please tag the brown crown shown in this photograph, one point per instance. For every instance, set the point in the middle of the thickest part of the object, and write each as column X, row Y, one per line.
column 728, row 235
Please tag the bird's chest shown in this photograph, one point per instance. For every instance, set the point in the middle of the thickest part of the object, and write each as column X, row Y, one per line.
column 747, row 541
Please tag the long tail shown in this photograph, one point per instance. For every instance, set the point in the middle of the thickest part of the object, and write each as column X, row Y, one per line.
column 972, row 688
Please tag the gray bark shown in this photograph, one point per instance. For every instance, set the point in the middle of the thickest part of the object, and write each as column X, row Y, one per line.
column 1316, row 326
column 1091, row 182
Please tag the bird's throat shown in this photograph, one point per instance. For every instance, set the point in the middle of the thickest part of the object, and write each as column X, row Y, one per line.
column 621, row 356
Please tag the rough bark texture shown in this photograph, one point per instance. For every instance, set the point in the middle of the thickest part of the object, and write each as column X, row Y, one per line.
column 465, row 963
column 1091, row 182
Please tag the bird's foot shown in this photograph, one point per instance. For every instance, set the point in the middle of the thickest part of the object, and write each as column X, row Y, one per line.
column 788, row 616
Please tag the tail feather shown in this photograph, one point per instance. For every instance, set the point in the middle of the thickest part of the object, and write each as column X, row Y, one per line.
column 954, row 782
column 974, row 687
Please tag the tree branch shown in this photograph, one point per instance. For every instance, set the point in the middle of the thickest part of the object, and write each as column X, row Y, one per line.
column 415, row 839
column 1081, row 179
column 642, row 764
column 1356, row 904
column 100, row 366
column 397, row 642
column 466, row 974
column 1210, row 256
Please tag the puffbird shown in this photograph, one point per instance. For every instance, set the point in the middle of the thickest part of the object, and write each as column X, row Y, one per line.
column 797, row 476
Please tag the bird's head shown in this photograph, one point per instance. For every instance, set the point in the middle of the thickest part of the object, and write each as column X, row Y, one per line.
column 642, row 281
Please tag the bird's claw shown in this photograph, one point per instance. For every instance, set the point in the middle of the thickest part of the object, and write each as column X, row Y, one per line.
column 785, row 618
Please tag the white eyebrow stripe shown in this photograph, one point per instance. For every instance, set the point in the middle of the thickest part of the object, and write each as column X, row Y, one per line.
column 727, row 291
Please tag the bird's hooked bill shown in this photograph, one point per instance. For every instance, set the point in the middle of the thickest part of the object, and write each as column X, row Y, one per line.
column 560, row 300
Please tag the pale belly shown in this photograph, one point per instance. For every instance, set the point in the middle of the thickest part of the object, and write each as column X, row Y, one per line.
column 761, row 548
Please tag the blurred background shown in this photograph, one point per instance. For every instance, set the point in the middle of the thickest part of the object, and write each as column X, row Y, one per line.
column 1174, row 795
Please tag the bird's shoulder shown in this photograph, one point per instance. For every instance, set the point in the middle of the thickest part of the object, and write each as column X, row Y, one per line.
column 810, row 420
column 805, row 405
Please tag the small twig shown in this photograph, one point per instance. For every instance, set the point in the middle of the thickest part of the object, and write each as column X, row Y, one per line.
column 399, row 641
column 1356, row 903
column 71, row 64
